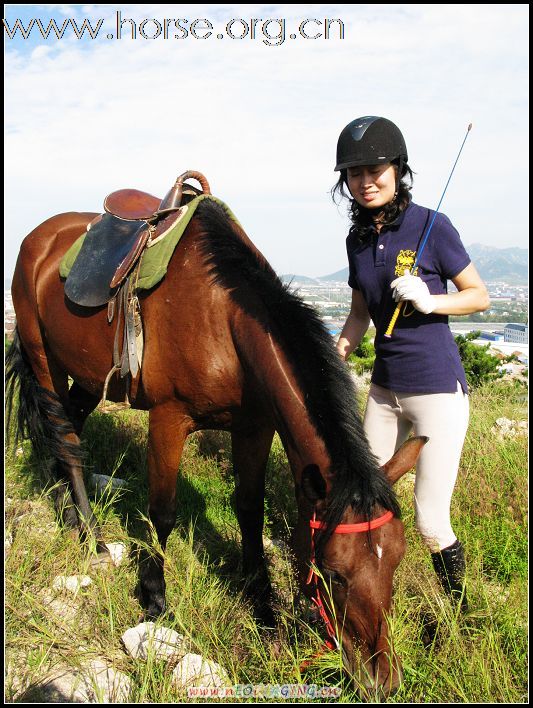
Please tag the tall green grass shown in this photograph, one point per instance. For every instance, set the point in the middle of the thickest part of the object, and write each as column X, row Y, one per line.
column 480, row 658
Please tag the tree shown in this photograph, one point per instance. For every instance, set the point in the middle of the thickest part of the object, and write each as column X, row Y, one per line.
column 478, row 363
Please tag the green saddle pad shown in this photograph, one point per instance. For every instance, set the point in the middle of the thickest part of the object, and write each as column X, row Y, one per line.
column 155, row 258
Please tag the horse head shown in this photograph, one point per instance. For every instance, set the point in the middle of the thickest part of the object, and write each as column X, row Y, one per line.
column 353, row 585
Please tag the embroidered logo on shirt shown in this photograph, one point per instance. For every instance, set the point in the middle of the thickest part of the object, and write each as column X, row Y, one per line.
column 405, row 259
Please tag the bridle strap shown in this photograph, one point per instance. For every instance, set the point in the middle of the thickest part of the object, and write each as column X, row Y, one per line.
column 355, row 528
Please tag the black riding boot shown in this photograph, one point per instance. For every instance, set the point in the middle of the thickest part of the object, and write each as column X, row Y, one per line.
column 449, row 565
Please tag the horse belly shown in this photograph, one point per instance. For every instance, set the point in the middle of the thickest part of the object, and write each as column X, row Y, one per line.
column 81, row 343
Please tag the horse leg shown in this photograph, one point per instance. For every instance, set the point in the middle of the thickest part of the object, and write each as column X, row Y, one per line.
column 81, row 404
column 43, row 405
column 168, row 429
column 250, row 455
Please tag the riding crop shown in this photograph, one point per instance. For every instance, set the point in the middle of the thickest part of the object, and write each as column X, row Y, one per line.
column 396, row 312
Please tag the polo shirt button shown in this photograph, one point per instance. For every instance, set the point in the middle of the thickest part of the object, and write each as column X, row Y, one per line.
column 381, row 246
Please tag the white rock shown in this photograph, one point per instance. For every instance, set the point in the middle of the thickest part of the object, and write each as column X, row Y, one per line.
column 96, row 682
column 194, row 670
column 8, row 541
column 72, row 583
column 113, row 686
column 506, row 428
column 19, row 452
column 160, row 642
column 101, row 482
column 117, row 552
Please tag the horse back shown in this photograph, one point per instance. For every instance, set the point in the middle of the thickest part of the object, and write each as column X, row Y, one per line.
column 189, row 354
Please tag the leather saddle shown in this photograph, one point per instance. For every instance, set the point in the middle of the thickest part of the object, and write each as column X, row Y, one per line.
column 107, row 265
column 115, row 240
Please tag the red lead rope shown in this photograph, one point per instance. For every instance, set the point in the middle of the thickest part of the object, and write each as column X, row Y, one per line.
column 333, row 642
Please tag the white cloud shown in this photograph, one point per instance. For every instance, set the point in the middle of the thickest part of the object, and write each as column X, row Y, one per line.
column 262, row 122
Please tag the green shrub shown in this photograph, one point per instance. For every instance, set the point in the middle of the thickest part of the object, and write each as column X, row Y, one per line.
column 479, row 365
column 363, row 356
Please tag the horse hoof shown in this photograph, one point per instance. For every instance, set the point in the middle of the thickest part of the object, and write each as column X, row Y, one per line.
column 154, row 604
column 430, row 631
column 153, row 616
column 154, row 612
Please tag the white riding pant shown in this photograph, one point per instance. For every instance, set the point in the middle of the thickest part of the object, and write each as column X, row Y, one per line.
column 443, row 417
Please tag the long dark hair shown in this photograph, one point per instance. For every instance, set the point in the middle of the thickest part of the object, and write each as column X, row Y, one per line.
column 364, row 220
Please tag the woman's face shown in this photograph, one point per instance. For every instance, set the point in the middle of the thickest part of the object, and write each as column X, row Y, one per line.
column 372, row 186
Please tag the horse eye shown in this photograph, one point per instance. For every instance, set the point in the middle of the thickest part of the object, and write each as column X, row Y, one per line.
column 334, row 577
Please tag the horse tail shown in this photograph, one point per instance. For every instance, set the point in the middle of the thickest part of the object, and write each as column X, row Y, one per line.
column 40, row 416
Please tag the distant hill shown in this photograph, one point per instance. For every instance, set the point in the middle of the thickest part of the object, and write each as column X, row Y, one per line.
column 506, row 265
column 303, row 279
column 509, row 265
column 340, row 275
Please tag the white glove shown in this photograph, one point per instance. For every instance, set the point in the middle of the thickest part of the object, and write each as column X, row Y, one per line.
column 411, row 287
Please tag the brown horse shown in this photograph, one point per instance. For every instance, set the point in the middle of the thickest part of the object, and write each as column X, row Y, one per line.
column 227, row 346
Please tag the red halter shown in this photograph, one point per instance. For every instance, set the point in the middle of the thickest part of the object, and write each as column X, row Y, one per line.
column 341, row 528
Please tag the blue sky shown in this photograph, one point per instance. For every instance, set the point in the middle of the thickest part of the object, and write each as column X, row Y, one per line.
column 260, row 117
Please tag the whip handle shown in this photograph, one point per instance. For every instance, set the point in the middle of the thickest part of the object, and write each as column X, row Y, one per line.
column 393, row 319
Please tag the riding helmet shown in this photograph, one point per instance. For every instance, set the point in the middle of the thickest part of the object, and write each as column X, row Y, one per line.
column 370, row 140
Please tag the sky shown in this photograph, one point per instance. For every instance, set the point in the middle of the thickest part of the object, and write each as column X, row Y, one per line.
column 243, row 97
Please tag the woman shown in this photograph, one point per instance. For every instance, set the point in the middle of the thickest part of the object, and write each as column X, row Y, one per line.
column 418, row 382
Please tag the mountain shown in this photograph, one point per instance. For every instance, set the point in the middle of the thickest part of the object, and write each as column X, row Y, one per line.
column 507, row 265
column 302, row 279
column 340, row 275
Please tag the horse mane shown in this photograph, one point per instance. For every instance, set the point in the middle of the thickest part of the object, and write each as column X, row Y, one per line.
column 328, row 386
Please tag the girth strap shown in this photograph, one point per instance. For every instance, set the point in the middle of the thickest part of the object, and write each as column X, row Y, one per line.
column 126, row 360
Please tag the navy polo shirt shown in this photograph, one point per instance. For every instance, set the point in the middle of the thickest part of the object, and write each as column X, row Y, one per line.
column 421, row 356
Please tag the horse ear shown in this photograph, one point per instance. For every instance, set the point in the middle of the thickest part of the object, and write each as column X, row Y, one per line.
column 313, row 484
column 404, row 458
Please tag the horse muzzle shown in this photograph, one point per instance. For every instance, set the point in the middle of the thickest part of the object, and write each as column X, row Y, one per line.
column 375, row 678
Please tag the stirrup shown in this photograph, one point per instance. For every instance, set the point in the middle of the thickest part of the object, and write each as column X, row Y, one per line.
column 105, row 406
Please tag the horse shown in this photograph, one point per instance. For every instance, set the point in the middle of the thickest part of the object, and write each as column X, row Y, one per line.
column 227, row 346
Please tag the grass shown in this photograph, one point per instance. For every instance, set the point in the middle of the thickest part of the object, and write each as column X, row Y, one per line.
column 482, row 658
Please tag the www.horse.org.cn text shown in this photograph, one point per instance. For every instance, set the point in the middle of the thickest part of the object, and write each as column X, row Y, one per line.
column 272, row 32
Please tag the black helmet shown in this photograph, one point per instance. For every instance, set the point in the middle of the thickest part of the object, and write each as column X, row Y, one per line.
column 370, row 140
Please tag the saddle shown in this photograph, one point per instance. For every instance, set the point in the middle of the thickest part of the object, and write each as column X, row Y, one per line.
column 107, row 266
column 118, row 238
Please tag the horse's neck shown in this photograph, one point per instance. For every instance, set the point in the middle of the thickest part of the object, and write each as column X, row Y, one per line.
column 283, row 395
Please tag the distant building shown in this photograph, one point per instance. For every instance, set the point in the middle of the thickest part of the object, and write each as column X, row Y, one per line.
column 516, row 333
column 492, row 336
